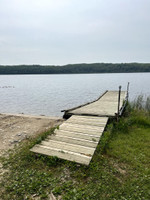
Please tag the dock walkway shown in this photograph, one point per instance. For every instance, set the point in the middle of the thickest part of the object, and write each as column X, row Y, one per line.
column 106, row 105
column 77, row 138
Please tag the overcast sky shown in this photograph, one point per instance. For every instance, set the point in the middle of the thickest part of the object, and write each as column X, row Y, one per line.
column 74, row 31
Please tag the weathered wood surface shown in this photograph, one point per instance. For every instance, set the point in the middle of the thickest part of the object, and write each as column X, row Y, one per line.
column 107, row 105
column 75, row 140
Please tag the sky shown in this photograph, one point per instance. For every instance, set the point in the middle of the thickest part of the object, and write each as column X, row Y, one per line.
column 58, row 32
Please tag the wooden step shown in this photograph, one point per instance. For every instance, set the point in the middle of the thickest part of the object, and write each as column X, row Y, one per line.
column 67, row 155
column 77, row 135
column 71, row 140
column 69, row 147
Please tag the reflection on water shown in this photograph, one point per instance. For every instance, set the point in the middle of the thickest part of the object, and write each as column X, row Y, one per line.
column 49, row 94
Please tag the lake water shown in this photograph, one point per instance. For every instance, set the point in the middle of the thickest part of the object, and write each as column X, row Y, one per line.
column 49, row 94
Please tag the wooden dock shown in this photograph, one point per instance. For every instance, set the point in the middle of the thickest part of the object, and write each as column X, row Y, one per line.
column 77, row 138
column 106, row 105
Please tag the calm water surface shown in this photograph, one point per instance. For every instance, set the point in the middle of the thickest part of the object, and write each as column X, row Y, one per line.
column 49, row 94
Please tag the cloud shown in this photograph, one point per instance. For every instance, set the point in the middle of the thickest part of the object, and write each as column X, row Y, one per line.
column 73, row 31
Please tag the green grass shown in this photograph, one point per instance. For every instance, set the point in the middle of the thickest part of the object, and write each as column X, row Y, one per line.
column 119, row 170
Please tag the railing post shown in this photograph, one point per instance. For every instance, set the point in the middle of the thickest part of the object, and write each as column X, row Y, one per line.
column 119, row 102
column 128, row 91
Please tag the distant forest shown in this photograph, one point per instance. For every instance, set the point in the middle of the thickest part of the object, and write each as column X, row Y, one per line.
column 75, row 68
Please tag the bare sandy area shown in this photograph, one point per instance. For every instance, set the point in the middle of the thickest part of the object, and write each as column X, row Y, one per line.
column 15, row 128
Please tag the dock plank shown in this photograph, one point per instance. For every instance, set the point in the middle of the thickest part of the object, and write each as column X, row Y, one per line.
column 69, row 147
column 70, row 140
column 79, row 130
column 84, row 121
column 82, row 126
column 67, row 155
column 78, row 135
column 88, row 118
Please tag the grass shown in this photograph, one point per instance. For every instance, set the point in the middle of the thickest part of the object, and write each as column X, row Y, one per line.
column 119, row 170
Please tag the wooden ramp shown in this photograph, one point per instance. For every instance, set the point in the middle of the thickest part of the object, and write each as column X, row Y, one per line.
column 77, row 138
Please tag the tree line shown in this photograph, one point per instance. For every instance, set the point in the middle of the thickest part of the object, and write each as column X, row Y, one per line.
column 75, row 68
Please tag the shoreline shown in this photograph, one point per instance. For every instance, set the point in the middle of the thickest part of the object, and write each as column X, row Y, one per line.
column 31, row 116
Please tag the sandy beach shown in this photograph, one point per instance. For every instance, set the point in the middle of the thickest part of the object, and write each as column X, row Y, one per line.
column 16, row 127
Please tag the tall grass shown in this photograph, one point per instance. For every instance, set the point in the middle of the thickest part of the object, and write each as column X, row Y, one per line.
column 140, row 104
column 147, row 104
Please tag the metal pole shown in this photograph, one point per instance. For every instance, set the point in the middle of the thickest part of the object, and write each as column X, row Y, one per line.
column 128, row 91
column 119, row 102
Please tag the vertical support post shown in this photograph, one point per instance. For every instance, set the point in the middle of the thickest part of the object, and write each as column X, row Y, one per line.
column 119, row 102
column 128, row 91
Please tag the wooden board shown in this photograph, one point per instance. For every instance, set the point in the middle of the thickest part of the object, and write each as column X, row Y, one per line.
column 60, row 153
column 83, row 120
column 78, row 135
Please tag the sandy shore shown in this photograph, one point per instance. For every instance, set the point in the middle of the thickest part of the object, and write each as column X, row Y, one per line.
column 16, row 127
